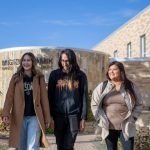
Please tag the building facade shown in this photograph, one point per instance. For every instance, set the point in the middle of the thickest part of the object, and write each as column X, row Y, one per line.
column 130, row 40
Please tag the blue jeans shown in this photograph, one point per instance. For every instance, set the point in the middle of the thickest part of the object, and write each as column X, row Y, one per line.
column 30, row 134
column 112, row 139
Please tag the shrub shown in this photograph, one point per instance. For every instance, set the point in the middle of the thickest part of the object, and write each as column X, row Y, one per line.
column 142, row 140
column 49, row 131
column 89, row 114
column 3, row 127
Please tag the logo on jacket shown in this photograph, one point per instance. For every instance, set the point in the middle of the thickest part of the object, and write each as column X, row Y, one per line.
column 67, row 84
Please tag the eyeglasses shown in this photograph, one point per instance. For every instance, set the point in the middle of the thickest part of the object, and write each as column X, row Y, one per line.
column 65, row 61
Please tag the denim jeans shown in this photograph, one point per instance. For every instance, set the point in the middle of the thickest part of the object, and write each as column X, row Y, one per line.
column 30, row 134
column 112, row 140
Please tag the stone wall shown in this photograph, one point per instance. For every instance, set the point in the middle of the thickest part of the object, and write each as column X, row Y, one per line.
column 91, row 62
column 139, row 73
column 129, row 32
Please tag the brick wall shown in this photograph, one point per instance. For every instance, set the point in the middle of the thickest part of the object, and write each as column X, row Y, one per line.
column 129, row 32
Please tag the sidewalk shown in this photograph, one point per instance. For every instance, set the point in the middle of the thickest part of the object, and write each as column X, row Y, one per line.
column 83, row 142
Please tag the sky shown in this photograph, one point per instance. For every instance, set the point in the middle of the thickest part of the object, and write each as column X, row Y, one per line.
column 63, row 23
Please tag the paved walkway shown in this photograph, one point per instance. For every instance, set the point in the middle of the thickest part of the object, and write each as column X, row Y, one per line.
column 83, row 142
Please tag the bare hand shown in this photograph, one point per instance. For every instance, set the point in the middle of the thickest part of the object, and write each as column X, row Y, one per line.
column 82, row 125
column 52, row 124
column 5, row 119
column 46, row 125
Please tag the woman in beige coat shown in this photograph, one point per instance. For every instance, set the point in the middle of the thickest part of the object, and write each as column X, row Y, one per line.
column 26, row 107
column 116, row 104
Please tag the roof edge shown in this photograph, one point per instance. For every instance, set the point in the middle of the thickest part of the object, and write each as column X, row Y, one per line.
column 130, row 20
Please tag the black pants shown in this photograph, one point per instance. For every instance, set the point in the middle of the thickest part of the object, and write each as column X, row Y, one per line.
column 66, row 129
column 112, row 139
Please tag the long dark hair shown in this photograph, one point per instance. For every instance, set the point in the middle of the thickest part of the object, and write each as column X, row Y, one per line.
column 128, row 84
column 74, row 67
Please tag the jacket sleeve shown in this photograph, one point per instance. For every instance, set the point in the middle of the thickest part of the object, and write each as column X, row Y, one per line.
column 9, row 98
column 95, row 101
column 84, row 88
column 138, row 103
column 51, row 92
column 44, row 100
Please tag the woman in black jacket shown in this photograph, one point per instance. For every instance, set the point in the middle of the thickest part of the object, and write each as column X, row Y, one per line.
column 67, row 92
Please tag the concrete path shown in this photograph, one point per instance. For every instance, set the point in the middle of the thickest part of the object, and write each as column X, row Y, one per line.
column 83, row 142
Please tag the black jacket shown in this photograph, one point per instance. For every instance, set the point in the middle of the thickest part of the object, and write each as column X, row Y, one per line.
column 65, row 101
column 28, row 94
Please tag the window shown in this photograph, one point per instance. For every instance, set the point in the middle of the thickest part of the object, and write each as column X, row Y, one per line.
column 129, row 52
column 116, row 53
column 143, row 46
